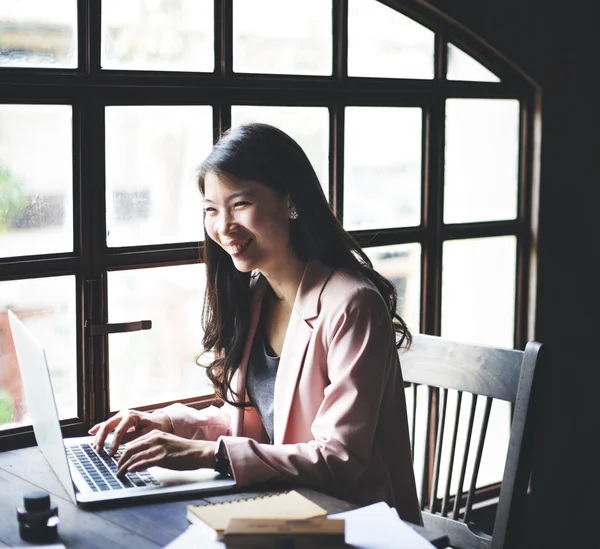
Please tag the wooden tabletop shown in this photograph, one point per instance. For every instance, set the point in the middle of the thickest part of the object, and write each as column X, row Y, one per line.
column 126, row 526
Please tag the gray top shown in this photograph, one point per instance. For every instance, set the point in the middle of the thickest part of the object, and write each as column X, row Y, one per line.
column 260, row 379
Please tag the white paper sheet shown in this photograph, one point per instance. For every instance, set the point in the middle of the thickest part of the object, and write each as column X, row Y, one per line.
column 195, row 536
column 378, row 526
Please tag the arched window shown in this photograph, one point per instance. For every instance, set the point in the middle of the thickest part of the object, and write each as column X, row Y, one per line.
column 424, row 139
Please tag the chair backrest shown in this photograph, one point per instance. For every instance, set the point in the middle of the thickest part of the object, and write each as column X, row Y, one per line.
column 456, row 433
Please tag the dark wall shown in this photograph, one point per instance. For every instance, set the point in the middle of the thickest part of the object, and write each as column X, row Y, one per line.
column 556, row 44
column 559, row 50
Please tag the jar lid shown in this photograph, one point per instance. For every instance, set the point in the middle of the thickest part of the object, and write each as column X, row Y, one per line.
column 37, row 500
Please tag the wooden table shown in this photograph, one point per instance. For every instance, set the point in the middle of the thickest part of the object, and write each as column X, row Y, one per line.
column 133, row 526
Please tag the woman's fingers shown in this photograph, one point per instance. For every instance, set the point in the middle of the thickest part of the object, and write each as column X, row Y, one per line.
column 148, row 447
column 131, row 434
column 142, row 459
column 127, row 429
column 128, row 425
column 103, row 429
column 166, row 450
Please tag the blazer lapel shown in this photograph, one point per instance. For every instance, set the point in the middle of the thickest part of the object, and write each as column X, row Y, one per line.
column 295, row 344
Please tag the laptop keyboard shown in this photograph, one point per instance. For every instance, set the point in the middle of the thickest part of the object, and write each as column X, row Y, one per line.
column 99, row 470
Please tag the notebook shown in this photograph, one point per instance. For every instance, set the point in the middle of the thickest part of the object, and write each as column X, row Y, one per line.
column 86, row 475
column 289, row 505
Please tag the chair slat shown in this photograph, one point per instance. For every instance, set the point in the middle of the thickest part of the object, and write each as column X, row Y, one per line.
column 446, row 499
column 414, row 421
column 425, row 480
column 439, row 443
column 465, row 459
column 477, row 464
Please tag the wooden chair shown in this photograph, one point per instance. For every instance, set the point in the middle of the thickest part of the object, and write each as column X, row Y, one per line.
column 455, row 432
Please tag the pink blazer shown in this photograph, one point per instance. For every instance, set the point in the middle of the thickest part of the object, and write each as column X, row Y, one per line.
column 340, row 420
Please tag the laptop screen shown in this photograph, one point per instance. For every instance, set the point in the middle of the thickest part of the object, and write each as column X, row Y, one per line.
column 39, row 397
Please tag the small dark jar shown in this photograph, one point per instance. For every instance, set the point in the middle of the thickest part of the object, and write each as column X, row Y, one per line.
column 38, row 521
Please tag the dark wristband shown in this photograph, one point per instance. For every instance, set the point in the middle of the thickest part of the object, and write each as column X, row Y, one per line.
column 222, row 464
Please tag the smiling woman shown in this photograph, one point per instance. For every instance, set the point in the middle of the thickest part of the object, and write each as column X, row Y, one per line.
column 249, row 221
column 305, row 334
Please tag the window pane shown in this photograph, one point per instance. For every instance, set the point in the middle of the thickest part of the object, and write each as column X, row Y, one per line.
column 482, row 160
column 463, row 67
column 152, row 154
column 384, row 43
column 161, row 35
column 156, row 365
column 478, row 290
column 309, row 126
column 47, row 307
column 36, row 179
column 282, row 36
column 38, row 33
column 401, row 264
column 382, row 167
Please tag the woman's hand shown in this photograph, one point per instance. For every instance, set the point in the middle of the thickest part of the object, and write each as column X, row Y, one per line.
column 166, row 450
column 129, row 425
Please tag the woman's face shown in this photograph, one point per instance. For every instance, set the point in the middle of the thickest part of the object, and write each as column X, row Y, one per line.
column 249, row 221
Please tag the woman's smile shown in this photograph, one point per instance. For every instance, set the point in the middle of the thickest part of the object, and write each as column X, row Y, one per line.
column 237, row 247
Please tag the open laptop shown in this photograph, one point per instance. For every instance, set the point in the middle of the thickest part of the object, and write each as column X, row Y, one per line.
column 87, row 476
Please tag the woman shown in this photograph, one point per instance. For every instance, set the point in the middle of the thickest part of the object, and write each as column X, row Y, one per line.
column 304, row 334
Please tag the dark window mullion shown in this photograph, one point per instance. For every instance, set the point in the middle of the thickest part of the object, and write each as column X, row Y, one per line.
column 221, row 119
column 388, row 237
column 224, row 52
column 223, row 11
column 340, row 39
column 433, row 203
column 79, row 248
column 336, row 154
column 440, row 57
column 337, row 110
column 433, row 198
column 94, row 253
column 526, row 261
column 83, row 34
column 89, row 18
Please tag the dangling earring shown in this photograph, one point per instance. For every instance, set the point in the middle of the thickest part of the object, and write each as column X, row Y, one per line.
column 293, row 214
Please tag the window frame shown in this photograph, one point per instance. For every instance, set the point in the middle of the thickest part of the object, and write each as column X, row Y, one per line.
column 90, row 89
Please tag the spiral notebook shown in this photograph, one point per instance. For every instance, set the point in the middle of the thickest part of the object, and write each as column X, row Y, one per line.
column 289, row 505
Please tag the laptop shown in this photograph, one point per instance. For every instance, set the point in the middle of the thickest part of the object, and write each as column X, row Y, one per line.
column 89, row 476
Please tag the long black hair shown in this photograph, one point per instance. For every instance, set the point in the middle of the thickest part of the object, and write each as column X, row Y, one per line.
column 263, row 153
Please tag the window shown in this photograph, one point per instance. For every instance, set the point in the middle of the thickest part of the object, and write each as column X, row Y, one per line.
column 423, row 138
